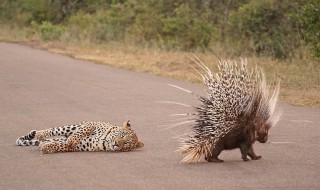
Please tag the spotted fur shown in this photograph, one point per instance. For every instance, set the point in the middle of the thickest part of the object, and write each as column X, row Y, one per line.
column 85, row 136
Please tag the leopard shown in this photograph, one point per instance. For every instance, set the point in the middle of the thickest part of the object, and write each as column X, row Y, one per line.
column 83, row 136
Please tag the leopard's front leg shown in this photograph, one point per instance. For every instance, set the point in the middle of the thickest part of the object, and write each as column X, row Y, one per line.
column 55, row 146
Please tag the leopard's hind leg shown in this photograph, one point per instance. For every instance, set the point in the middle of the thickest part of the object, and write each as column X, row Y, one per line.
column 65, row 131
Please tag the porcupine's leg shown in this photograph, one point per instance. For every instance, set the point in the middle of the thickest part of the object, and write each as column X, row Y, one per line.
column 215, row 153
column 244, row 148
column 252, row 155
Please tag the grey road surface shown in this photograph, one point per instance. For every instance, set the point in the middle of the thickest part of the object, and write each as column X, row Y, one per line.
column 39, row 90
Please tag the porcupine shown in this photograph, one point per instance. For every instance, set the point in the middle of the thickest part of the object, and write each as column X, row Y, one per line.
column 238, row 110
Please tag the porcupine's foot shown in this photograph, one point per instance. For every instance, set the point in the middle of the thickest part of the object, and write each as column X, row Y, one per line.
column 217, row 160
column 252, row 155
column 256, row 157
column 215, row 154
column 245, row 158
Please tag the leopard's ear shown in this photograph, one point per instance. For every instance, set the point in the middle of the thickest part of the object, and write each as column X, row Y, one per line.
column 139, row 145
column 127, row 124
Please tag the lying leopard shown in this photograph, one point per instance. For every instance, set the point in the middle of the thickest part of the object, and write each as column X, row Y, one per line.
column 85, row 136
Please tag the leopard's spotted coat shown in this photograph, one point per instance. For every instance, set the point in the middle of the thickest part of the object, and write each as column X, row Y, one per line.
column 85, row 136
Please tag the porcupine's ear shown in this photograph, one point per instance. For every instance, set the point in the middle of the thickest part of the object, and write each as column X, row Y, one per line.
column 127, row 125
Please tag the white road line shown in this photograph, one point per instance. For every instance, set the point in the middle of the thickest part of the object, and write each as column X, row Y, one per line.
column 301, row 121
column 282, row 142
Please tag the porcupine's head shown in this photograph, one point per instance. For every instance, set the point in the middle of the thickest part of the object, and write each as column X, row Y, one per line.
column 262, row 108
column 262, row 130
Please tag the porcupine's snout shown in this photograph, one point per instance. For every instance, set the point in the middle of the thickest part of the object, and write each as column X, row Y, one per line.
column 263, row 139
column 262, row 134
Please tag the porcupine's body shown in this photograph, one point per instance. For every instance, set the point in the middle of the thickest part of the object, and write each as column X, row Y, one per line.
column 237, row 111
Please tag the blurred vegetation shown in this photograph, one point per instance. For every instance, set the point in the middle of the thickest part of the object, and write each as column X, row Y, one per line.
column 280, row 36
column 282, row 29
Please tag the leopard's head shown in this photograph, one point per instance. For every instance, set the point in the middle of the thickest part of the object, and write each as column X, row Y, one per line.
column 130, row 139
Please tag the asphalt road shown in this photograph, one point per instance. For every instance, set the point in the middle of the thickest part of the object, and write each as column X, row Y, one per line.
column 39, row 89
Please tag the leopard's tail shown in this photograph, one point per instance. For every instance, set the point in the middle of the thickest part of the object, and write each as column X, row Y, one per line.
column 28, row 140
